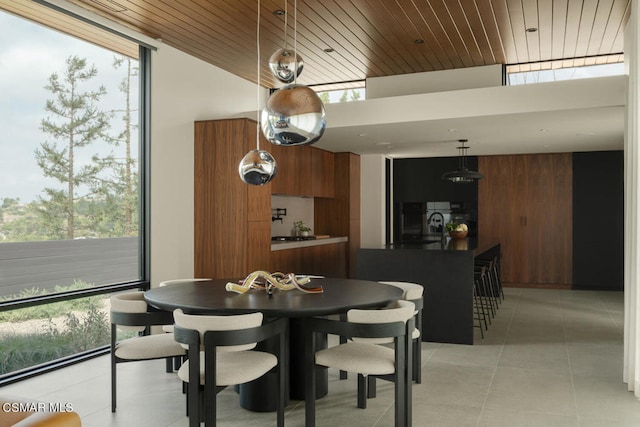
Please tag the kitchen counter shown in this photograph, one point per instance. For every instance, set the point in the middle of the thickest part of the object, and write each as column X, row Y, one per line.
column 280, row 245
column 475, row 245
column 445, row 270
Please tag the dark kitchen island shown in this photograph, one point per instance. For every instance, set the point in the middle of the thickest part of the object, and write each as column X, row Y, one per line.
column 446, row 272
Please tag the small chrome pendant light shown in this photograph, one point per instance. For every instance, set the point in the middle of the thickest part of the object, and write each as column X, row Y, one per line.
column 462, row 174
column 257, row 167
column 294, row 114
column 286, row 65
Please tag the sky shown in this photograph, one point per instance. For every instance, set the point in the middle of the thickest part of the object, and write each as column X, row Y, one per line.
column 29, row 54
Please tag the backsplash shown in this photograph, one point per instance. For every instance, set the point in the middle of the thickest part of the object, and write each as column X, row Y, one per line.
column 298, row 209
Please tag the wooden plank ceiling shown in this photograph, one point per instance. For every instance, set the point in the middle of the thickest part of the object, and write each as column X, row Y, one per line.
column 372, row 38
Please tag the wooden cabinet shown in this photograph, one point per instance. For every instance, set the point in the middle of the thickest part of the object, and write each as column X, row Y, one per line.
column 303, row 171
column 294, row 170
column 525, row 201
column 232, row 230
column 322, row 173
column 231, row 219
column 340, row 215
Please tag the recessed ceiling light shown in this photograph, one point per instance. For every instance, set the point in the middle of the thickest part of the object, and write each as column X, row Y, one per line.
column 453, row 130
column 328, row 49
column 279, row 12
column 544, row 130
column 532, row 30
column 383, row 143
column 362, row 134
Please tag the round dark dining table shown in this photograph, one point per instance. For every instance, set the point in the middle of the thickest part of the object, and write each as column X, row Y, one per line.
column 338, row 296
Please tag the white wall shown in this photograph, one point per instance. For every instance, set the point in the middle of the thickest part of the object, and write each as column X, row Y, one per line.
column 372, row 200
column 434, row 81
column 298, row 209
column 183, row 89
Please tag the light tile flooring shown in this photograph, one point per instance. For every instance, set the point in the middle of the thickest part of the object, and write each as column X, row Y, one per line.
column 551, row 358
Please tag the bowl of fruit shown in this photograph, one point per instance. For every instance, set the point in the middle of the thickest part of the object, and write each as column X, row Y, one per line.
column 457, row 231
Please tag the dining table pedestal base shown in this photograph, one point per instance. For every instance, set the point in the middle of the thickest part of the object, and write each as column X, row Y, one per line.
column 260, row 395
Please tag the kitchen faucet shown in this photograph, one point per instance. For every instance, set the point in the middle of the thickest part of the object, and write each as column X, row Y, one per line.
column 441, row 227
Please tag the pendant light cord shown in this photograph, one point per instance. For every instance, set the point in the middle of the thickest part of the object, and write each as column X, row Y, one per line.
column 258, row 89
column 286, row 16
column 295, row 41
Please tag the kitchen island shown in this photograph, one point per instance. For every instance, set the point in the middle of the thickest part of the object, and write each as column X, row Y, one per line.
column 445, row 269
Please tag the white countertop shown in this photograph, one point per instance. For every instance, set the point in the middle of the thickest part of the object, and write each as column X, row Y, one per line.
column 278, row 246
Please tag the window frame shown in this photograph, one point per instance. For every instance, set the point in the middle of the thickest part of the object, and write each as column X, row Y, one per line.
column 144, row 267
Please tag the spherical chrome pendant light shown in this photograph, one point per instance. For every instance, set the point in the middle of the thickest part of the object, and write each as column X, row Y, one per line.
column 294, row 115
column 286, row 65
column 257, row 167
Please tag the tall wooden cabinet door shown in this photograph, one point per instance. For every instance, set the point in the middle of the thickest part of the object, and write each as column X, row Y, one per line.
column 525, row 202
column 218, row 191
column 501, row 214
column 322, row 168
column 550, row 211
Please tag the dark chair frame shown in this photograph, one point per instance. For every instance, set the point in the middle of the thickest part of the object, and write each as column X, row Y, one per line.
column 416, row 358
column 402, row 377
column 272, row 329
column 146, row 320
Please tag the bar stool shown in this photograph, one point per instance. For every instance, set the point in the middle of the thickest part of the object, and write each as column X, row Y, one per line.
column 479, row 311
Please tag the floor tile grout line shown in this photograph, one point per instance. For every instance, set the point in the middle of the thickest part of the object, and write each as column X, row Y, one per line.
column 566, row 349
column 495, row 368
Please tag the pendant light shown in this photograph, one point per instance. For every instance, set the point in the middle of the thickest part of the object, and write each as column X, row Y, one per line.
column 462, row 174
column 286, row 65
column 257, row 167
column 294, row 114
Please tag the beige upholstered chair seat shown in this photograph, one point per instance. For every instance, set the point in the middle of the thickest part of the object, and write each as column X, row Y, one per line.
column 358, row 357
column 234, row 367
column 149, row 347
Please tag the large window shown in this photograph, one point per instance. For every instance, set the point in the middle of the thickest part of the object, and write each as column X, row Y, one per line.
column 70, row 198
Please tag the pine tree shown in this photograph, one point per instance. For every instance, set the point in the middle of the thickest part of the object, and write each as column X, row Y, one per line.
column 75, row 122
column 116, row 213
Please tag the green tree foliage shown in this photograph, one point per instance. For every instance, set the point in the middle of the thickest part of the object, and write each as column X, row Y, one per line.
column 75, row 122
column 324, row 97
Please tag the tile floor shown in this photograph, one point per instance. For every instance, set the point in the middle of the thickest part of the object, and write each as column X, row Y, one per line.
column 551, row 358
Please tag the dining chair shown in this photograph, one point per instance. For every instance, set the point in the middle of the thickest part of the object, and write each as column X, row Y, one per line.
column 363, row 353
column 169, row 328
column 414, row 292
column 220, row 352
column 129, row 313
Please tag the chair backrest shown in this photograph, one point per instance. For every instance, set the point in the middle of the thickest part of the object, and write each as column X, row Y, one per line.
column 203, row 323
column 399, row 311
column 129, row 302
column 410, row 290
column 177, row 281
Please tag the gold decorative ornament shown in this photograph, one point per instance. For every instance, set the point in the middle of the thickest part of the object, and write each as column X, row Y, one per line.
column 269, row 281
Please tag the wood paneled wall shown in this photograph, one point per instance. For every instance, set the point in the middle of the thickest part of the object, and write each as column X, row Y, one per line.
column 525, row 201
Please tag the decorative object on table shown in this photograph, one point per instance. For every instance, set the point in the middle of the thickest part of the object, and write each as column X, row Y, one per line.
column 462, row 174
column 301, row 229
column 257, row 167
column 294, row 114
column 269, row 281
column 457, row 231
